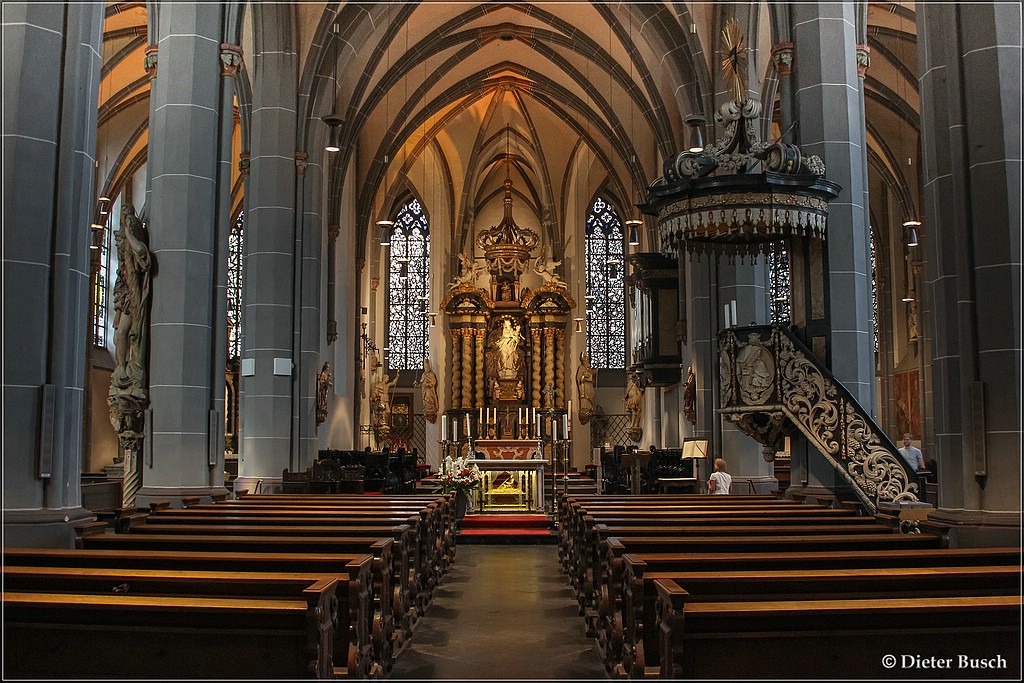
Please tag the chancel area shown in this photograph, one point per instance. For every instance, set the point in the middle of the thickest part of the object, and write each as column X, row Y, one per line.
column 705, row 316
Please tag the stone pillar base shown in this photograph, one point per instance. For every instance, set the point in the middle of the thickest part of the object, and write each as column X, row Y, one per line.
column 745, row 485
column 43, row 528
column 976, row 528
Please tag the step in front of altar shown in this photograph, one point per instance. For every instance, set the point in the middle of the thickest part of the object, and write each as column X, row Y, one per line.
column 506, row 528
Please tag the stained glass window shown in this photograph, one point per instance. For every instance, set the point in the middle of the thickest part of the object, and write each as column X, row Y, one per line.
column 408, row 288
column 606, row 292
column 100, row 291
column 874, row 292
column 235, row 241
column 778, row 285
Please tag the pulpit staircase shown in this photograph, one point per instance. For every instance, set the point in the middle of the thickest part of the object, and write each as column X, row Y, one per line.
column 772, row 386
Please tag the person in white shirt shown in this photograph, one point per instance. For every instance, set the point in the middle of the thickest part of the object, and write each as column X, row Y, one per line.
column 720, row 480
column 912, row 455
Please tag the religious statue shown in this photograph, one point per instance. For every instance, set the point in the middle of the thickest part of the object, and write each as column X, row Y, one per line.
column 380, row 402
column 546, row 269
column 428, row 386
column 324, row 382
column 507, row 354
column 634, row 409
column 690, row 397
column 128, row 396
column 585, row 388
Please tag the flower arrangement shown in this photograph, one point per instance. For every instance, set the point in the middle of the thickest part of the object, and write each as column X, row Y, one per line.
column 458, row 476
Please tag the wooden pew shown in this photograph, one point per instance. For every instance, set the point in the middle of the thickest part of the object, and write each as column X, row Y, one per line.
column 608, row 578
column 413, row 549
column 47, row 635
column 380, row 548
column 640, row 652
column 345, row 603
column 403, row 589
column 584, row 549
column 357, row 567
column 435, row 512
column 818, row 638
column 579, row 519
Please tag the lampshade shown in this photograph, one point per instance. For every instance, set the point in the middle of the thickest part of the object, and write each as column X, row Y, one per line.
column 696, row 123
column 385, row 231
column 911, row 226
column 634, row 231
column 333, row 132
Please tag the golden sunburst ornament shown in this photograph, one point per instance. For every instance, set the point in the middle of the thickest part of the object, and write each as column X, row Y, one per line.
column 735, row 62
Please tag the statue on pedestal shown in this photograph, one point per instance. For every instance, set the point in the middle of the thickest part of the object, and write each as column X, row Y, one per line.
column 128, row 396
column 634, row 409
column 585, row 387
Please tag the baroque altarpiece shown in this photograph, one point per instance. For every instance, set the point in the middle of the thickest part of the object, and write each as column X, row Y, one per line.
column 508, row 374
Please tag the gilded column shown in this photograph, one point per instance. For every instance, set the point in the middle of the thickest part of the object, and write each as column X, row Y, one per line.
column 456, row 369
column 467, row 368
column 479, row 334
column 559, row 368
column 537, row 353
column 549, row 364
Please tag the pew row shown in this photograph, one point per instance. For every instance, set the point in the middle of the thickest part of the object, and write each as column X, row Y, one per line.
column 861, row 638
column 641, row 650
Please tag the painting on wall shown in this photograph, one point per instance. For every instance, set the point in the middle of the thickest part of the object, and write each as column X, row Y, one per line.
column 908, row 404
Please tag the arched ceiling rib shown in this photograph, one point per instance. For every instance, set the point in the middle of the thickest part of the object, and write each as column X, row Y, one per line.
column 611, row 79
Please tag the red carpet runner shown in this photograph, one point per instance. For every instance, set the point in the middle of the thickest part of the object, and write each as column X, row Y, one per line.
column 533, row 529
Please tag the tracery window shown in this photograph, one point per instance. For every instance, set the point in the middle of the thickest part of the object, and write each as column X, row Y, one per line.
column 235, row 242
column 778, row 285
column 101, row 291
column 408, row 288
column 874, row 291
column 606, row 292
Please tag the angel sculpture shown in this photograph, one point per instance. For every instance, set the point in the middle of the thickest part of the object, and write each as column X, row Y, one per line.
column 546, row 269
column 470, row 272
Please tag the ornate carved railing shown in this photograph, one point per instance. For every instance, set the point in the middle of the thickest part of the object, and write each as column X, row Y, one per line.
column 773, row 386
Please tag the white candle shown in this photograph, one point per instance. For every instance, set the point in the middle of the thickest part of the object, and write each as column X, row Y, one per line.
column 467, row 424
column 444, row 428
column 480, row 414
column 565, row 425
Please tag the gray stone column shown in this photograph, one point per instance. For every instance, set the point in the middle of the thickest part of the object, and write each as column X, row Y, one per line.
column 309, row 331
column 747, row 285
column 270, row 321
column 970, row 62
column 51, row 68
column 831, row 125
column 187, row 352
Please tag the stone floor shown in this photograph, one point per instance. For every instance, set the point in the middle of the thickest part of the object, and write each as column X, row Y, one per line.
column 503, row 612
